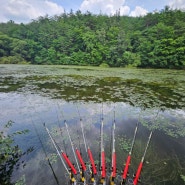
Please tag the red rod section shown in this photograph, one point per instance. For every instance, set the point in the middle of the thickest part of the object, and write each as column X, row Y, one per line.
column 92, row 161
column 81, row 160
column 71, row 166
column 138, row 173
column 114, row 164
column 103, row 165
column 125, row 172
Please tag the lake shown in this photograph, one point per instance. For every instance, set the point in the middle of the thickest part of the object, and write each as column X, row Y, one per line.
column 31, row 95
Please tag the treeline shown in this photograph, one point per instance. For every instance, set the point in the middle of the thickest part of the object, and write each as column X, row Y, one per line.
column 156, row 40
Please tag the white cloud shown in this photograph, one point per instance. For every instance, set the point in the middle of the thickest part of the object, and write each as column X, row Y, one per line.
column 25, row 10
column 139, row 11
column 109, row 7
column 177, row 4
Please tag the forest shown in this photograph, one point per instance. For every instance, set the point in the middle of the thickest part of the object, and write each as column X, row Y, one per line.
column 156, row 40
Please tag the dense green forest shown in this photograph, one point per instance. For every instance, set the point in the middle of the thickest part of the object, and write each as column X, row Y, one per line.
column 156, row 40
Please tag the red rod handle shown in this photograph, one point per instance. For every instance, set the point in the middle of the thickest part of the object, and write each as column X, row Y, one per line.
column 92, row 162
column 125, row 172
column 138, row 173
column 114, row 164
column 103, row 165
column 69, row 163
column 81, row 160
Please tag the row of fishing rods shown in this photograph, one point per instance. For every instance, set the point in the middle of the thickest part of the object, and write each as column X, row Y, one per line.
column 88, row 173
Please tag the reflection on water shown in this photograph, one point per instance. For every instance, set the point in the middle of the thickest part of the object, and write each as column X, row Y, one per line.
column 165, row 157
column 31, row 100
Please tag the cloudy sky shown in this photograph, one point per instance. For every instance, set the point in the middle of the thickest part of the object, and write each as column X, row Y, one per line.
column 23, row 11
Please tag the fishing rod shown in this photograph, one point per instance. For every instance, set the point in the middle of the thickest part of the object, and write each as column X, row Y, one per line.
column 138, row 173
column 83, row 166
column 72, row 145
column 93, row 166
column 81, row 161
column 72, row 171
column 89, row 155
column 71, row 167
column 126, row 168
column 113, row 173
column 42, row 145
column 54, row 144
column 79, row 156
column 103, row 161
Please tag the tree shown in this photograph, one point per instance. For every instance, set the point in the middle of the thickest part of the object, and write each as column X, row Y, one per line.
column 10, row 154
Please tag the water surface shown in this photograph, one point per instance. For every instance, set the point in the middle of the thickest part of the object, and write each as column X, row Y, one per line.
column 33, row 95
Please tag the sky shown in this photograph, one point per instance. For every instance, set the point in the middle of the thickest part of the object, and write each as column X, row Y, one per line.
column 23, row 11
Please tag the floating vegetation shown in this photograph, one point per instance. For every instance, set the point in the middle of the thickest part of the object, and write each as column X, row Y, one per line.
column 146, row 88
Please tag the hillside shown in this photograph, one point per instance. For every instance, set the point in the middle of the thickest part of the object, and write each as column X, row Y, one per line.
column 156, row 40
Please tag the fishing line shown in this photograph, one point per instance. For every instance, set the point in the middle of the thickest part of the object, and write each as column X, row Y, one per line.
column 78, row 111
column 61, row 111
column 60, row 129
column 79, row 141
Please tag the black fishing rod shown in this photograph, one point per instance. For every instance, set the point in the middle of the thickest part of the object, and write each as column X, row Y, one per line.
column 46, row 156
column 42, row 145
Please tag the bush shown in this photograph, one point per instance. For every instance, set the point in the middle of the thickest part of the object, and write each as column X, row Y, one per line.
column 104, row 65
column 10, row 154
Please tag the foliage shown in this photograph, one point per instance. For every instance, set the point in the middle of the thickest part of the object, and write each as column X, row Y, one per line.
column 153, row 41
column 104, row 65
column 10, row 154
column 183, row 177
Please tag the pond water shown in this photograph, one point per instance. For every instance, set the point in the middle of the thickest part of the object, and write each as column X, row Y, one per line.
column 33, row 95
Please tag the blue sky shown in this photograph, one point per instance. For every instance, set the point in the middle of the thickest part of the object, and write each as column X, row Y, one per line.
column 26, row 10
